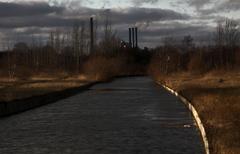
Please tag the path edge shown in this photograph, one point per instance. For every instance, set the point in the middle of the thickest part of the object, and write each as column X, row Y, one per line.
column 194, row 113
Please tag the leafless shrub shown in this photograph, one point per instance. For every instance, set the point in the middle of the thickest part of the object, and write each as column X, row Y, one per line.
column 196, row 63
column 227, row 37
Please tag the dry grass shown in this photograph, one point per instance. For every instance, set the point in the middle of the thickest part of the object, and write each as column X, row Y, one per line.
column 10, row 91
column 98, row 67
column 220, row 110
column 216, row 95
column 102, row 67
column 40, row 83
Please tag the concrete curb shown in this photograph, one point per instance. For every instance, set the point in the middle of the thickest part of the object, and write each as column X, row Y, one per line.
column 195, row 115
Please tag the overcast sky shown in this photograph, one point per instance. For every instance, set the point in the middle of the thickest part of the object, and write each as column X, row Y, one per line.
column 24, row 19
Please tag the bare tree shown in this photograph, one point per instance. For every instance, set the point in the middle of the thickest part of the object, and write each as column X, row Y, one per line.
column 169, row 43
column 219, row 39
column 95, row 32
column 187, row 42
column 51, row 39
column 11, row 68
column 227, row 34
column 63, row 41
column 76, row 36
column 219, row 36
column 110, row 43
column 108, row 25
column 57, row 41
column 231, row 33
column 226, row 40
column 82, row 38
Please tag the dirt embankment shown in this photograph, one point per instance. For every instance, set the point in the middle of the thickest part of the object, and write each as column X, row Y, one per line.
column 216, row 96
column 19, row 95
column 35, row 85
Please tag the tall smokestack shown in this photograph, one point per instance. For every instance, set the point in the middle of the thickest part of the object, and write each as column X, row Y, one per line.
column 136, row 33
column 130, row 37
column 91, row 35
column 133, row 36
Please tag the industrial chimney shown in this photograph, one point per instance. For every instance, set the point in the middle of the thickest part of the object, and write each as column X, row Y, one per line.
column 130, row 37
column 91, row 35
column 133, row 37
column 136, row 33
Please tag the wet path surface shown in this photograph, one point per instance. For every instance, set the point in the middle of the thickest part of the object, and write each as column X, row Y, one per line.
column 127, row 116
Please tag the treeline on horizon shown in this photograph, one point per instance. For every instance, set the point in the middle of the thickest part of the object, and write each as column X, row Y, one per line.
column 223, row 55
column 72, row 54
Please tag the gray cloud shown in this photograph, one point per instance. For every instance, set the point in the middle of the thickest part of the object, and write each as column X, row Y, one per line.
column 229, row 5
column 198, row 3
column 154, row 23
column 37, row 21
column 140, row 2
column 27, row 9
column 69, row 4
column 218, row 7
column 134, row 15
column 68, row 17
column 131, row 15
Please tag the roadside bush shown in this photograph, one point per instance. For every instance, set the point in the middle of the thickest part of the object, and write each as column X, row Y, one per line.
column 196, row 63
column 99, row 67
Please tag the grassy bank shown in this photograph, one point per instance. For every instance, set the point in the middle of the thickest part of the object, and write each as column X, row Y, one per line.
column 95, row 68
column 216, row 96
column 16, row 90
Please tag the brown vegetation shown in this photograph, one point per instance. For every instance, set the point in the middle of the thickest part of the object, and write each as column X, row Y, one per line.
column 67, row 58
column 20, row 90
column 209, row 78
column 216, row 97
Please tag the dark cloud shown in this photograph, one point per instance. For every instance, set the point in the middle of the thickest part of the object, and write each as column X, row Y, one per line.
column 38, row 19
column 198, row 3
column 130, row 15
column 140, row 2
column 216, row 7
column 27, row 9
column 134, row 15
column 68, row 17
column 229, row 5
column 173, row 28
